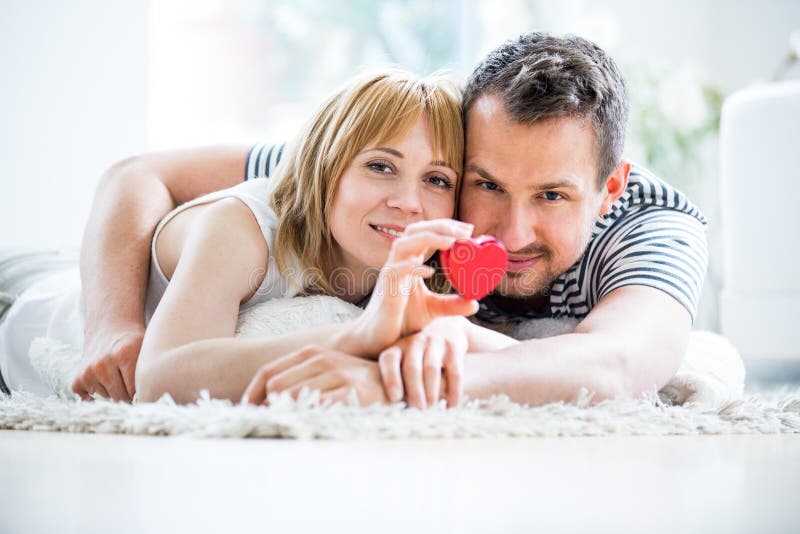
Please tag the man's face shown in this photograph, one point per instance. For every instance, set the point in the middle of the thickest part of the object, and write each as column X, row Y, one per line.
column 532, row 187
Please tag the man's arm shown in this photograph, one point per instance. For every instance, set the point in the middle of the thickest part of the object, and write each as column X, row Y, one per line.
column 130, row 200
column 633, row 341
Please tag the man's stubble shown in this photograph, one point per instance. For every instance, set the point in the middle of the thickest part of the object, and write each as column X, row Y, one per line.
column 538, row 280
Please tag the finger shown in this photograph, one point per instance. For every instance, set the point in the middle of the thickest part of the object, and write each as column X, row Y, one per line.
column 399, row 275
column 126, row 391
column 412, row 372
column 338, row 395
column 128, row 374
column 79, row 388
column 407, row 268
column 256, row 391
column 414, row 246
column 323, row 382
column 453, row 363
column 389, row 366
column 432, row 369
column 111, row 379
column 301, row 372
column 94, row 386
column 450, row 227
column 443, row 305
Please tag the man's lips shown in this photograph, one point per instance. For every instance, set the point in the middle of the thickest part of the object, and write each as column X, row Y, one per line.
column 519, row 264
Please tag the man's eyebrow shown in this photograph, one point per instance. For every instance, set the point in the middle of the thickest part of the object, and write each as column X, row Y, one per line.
column 483, row 173
column 564, row 183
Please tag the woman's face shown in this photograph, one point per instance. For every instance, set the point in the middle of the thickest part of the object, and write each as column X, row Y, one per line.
column 384, row 189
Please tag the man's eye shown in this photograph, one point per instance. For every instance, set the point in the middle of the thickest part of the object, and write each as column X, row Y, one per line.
column 491, row 186
column 552, row 195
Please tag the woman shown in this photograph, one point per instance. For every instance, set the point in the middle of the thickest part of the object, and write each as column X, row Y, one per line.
column 381, row 157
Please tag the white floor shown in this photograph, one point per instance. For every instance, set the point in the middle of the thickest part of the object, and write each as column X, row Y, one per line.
column 104, row 483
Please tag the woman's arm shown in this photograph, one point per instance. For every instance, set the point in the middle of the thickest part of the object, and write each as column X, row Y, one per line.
column 213, row 254
column 334, row 374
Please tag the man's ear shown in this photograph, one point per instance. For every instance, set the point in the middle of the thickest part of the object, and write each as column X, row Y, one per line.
column 615, row 186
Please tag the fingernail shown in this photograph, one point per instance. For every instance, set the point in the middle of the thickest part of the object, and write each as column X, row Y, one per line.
column 395, row 395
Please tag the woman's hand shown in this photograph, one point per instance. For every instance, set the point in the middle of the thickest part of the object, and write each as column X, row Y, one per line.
column 401, row 304
column 330, row 372
column 428, row 365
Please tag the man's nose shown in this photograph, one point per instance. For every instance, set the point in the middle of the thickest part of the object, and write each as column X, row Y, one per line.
column 406, row 196
column 515, row 227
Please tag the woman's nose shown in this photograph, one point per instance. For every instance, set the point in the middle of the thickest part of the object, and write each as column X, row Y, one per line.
column 406, row 197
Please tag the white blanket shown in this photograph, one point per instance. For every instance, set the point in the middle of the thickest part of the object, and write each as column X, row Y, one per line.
column 712, row 371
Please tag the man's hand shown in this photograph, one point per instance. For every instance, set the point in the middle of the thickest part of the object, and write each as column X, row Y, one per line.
column 109, row 365
column 330, row 372
column 427, row 364
column 131, row 198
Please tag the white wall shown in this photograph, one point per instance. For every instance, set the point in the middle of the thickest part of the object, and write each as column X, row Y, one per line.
column 735, row 42
column 73, row 100
column 74, row 91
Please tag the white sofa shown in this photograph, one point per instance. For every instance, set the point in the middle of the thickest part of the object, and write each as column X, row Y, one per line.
column 760, row 211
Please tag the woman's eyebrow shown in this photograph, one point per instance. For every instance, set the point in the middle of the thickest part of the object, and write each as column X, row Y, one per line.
column 397, row 153
column 391, row 151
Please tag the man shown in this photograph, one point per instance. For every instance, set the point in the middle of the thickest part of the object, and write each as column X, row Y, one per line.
column 589, row 235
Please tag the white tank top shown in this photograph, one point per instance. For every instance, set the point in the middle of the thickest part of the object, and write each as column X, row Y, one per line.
column 53, row 307
column 255, row 194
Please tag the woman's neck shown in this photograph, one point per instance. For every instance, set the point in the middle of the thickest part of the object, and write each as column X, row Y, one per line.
column 351, row 280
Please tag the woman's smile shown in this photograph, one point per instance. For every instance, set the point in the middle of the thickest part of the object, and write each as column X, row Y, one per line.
column 389, row 231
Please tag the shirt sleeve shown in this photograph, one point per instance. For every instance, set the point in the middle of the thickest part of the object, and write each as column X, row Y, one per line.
column 262, row 160
column 660, row 248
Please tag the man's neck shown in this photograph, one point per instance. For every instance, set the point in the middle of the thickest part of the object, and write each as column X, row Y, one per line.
column 535, row 303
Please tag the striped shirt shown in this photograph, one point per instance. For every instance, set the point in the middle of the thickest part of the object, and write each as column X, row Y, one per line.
column 262, row 161
column 653, row 236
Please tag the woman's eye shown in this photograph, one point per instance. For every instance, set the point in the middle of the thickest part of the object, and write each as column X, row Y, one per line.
column 382, row 167
column 552, row 196
column 440, row 181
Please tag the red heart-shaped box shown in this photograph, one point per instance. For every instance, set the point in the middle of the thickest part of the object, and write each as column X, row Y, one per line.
column 475, row 266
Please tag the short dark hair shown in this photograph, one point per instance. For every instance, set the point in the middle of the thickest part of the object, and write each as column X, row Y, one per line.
column 541, row 77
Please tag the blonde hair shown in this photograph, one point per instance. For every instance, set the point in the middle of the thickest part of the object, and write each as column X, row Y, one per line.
column 374, row 108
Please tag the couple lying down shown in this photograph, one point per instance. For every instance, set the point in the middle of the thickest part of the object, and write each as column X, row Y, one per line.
column 357, row 207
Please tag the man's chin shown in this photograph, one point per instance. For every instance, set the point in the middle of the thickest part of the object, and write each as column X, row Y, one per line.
column 515, row 291
column 521, row 287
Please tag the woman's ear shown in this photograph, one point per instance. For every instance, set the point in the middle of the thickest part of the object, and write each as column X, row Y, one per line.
column 615, row 186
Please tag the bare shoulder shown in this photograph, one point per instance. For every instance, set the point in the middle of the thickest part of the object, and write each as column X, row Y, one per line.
column 224, row 228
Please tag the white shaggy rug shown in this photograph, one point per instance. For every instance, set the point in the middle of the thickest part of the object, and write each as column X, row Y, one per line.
column 498, row 417
column 704, row 397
